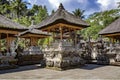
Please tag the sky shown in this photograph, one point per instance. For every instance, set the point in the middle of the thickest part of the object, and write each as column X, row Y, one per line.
column 90, row 6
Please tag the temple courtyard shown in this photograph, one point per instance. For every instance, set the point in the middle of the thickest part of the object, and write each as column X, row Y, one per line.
column 90, row 71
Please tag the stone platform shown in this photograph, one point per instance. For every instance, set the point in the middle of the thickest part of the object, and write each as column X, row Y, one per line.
column 63, row 56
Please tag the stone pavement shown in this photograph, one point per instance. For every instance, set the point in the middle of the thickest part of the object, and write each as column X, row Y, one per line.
column 90, row 71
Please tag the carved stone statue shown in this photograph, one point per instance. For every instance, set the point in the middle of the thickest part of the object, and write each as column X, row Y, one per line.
column 102, row 57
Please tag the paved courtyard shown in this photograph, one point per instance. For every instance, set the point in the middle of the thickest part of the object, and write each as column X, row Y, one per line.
column 89, row 71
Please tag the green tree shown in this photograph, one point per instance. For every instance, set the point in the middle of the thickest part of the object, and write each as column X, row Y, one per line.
column 41, row 14
column 99, row 21
column 19, row 7
column 5, row 7
column 38, row 13
column 79, row 12
column 118, row 4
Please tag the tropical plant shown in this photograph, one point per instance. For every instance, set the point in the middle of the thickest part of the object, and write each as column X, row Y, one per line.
column 19, row 7
column 79, row 12
column 99, row 21
column 5, row 7
column 118, row 4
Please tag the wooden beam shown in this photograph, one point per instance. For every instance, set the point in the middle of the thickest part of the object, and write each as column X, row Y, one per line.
column 50, row 27
column 9, row 31
column 7, row 39
column 109, row 35
column 62, row 25
column 34, row 35
column 70, row 26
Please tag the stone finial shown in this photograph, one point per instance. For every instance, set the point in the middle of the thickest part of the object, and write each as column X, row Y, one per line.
column 61, row 6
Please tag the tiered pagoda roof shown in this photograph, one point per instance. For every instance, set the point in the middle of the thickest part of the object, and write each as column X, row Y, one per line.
column 62, row 16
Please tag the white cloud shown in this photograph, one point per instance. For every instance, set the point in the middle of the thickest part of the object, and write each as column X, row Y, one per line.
column 82, row 1
column 32, row 2
column 55, row 3
column 108, row 4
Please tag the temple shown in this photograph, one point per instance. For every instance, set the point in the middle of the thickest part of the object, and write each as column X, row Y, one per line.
column 8, row 30
column 112, row 30
column 62, row 52
column 13, row 32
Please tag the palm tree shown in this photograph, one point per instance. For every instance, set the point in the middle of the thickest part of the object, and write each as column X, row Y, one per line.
column 78, row 12
column 19, row 7
column 4, row 7
column 118, row 4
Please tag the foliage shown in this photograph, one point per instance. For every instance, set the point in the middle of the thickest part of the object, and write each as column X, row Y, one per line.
column 118, row 4
column 98, row 21
column 79, row 12
column 41, row 14
column 5, row 7
column 18, row 11
column 19, row 7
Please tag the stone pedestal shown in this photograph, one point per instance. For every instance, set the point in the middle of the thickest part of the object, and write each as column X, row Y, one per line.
column 62, row 56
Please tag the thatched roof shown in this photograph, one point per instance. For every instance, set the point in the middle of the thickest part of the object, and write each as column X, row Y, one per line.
column 112, row 28
column 62, row 16
column 9, row 24
column 33, row 31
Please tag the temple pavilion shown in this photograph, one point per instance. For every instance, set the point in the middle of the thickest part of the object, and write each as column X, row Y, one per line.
column 61, row 22
column 112, row 30
column 12, row 32
column 62, row 53
column 34, row 35
column 8, row 30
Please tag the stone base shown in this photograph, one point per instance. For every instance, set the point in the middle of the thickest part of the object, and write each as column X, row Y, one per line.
column 63, row 60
